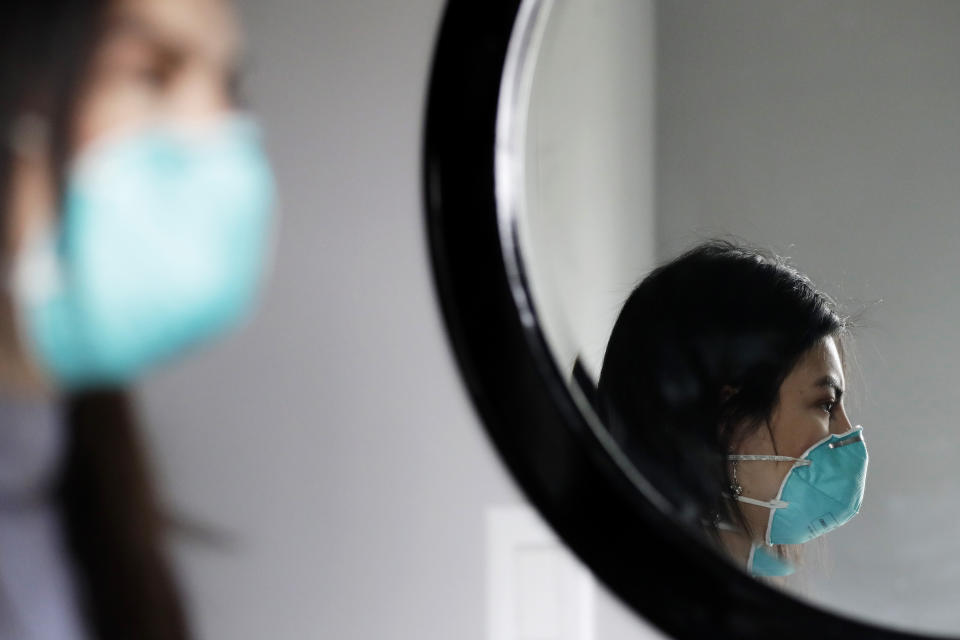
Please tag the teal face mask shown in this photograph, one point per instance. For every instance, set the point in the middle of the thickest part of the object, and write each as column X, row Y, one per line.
column 822, row 491
column 765, row 563
column 762, row 560
column 159, row 247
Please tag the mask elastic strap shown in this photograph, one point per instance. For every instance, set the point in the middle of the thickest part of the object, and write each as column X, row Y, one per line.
column 769, row 504
column 726, row 526
column 799, row 461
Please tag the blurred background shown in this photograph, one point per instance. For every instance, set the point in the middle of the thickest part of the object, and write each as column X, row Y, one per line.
column 332, row 442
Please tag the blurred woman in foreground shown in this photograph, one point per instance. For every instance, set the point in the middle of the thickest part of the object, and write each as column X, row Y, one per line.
column 136, row 210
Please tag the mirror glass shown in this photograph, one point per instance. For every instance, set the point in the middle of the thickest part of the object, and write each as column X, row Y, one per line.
column 824, row 135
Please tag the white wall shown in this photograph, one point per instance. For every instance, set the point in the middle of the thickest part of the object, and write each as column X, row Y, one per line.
column 829, row 130
column 334, row 439
column 588, row 228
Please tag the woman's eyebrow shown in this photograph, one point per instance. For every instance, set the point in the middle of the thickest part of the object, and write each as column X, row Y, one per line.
column 171, row 44
column 129, row 24
column 830, row 382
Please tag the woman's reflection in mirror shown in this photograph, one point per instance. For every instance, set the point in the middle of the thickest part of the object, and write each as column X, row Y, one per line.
column 724, row 377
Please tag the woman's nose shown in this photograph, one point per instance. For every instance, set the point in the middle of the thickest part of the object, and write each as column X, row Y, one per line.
column 202, row 95
column 840, row 423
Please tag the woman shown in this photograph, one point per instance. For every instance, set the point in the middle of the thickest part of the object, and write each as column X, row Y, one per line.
column 135, row 206
column 724, row 376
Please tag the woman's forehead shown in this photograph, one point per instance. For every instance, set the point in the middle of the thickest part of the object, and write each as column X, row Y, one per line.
column 819, row 365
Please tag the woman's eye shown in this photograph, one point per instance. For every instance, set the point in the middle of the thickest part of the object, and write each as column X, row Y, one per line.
column 156, row 76
column 156, row 70
column 828, row 406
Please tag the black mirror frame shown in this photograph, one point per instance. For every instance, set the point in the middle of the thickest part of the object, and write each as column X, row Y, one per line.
column 624, row 534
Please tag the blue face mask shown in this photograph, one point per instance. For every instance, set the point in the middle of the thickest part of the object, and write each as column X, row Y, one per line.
column 159, row 247
column 822, row 491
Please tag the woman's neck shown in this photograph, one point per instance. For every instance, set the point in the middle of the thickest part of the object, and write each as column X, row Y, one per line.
column 737, row 545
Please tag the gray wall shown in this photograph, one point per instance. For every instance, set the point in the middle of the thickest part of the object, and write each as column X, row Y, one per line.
column 333, row 439
column 829, row 131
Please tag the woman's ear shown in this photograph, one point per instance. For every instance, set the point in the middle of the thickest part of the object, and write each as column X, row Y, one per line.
column 29, row 135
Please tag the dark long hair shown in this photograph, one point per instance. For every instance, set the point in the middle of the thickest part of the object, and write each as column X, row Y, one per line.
column 722, row 316
column 112, row 516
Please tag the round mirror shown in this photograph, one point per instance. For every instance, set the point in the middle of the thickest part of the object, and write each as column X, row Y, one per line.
column 721, row 234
